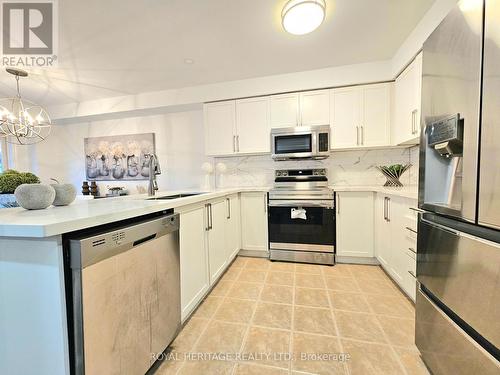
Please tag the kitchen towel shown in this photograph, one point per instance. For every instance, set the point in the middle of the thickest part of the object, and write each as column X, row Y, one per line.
column 298, row 213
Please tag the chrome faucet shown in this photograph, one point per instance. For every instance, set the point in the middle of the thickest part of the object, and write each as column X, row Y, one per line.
column 154, row 170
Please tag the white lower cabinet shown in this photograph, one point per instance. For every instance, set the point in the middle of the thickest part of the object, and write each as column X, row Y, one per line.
column 233, row 227
column 216, row 238
column 395, row 243
column 354, row 224
column 195, row 280
column 254, row 221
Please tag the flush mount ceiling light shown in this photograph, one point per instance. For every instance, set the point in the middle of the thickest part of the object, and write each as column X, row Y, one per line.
column 22, row 122
column 300, row 17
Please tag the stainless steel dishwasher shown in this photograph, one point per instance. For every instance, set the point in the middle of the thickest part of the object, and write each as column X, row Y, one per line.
column 126, row 296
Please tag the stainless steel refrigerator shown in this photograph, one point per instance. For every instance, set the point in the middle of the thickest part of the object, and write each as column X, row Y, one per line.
column 458, row 252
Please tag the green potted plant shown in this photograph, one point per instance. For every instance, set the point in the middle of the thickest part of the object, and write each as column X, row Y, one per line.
column 9, row 181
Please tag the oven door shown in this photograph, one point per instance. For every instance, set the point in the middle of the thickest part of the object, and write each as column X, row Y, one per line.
column 311, row 230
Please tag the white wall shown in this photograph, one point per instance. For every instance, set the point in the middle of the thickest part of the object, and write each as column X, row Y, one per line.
column 179, row 145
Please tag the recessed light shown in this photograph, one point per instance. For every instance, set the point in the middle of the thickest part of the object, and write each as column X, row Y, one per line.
column 188, row 61
column 300, row 17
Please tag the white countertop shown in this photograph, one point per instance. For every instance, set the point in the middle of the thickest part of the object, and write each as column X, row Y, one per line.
column 18, row 222
column 405, row 191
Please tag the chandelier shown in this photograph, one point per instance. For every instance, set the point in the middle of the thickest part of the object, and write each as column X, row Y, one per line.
column 23, row 122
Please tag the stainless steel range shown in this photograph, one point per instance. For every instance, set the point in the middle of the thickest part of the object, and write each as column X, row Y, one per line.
column 302, row 217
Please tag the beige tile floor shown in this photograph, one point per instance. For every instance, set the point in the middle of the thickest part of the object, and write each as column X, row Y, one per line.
column 309, row 311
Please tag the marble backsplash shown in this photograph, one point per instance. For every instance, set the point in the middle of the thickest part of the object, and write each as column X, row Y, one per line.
column 345, row 168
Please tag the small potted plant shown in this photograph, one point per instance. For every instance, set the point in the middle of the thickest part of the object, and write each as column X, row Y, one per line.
column 9, row 181
column 392, row 173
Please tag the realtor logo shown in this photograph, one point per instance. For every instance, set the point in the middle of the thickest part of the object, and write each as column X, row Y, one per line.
column 29, row 33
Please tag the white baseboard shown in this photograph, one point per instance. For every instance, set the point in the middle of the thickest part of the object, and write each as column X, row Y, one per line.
column 357, row 260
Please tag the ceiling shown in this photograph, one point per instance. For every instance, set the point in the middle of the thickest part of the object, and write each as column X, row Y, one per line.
column 119, row 47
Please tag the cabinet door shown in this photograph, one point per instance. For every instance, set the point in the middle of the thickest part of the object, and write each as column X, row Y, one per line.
column 375, row 125
column 396, row 211
column 193, row 258
column 405, row 129
column 217, row 254
column 417, row 95
column 284, row 110
column 315, row 108
column 254, row 221
column 220, row 128
column 355, row 224
column 252, row 124
column 233, row 233
column 382, row 232
column 345, row 107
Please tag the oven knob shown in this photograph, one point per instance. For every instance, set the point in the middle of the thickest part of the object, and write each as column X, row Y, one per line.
column 323, row 172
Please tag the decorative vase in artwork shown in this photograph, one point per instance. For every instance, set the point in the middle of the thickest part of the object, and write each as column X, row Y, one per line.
column 103, row 166
column 118, row 170
column 145, row 166
column 92, row 170
column 132, row 166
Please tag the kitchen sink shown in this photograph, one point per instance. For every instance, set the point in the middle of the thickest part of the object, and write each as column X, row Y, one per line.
column 175, row 196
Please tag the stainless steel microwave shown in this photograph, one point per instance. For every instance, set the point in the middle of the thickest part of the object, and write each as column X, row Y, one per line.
column 301, row 142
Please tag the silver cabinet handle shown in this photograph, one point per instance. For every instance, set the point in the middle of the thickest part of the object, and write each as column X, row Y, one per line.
column 234, row 143
column 362, row 135
column 412, row 122
column 385, row 208
column 228, row 200
column 411, row 230
column 412, row 250
column 338, row 204
column 265, row 203
column 357, row 135
column 207, row 228
column 238, row 142
column 412, row 274
column 210, row 226
column 388, row 209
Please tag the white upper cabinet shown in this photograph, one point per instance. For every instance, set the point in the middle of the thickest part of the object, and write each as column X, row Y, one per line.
column 345, row 117
column 220, row 127
column 407, row 98
column 315, row 108
column 375, row 124
column 284, row 110
column 253, row 132
column 308, row 108
column 360, row 116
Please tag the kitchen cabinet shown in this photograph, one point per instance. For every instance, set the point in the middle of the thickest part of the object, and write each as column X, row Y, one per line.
column 284, row 110
column 395, row 240
column 382, row 231
column 216, row 237
column 195, row 280
column 220, row 127
column 253, row 131
column 237, row 126
column 233, row 228
column 360, row 116
column 314, row 108
column 376, row 118
column 345, row 117
column 254, row 222
column 407, row 102
column 307, row 108
column 354, row 221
